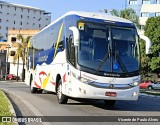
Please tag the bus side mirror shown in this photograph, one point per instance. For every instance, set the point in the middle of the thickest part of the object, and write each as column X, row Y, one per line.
column 75, row 35
column 148, row 43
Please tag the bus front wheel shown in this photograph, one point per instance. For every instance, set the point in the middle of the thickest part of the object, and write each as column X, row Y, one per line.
column 62, row 99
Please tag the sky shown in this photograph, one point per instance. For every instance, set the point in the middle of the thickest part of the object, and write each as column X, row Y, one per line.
column 60, row 7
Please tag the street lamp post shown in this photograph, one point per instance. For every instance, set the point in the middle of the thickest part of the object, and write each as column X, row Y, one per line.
column 23, row 70
column 8, row 46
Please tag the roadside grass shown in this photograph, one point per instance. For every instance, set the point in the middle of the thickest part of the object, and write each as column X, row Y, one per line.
column 4, row 108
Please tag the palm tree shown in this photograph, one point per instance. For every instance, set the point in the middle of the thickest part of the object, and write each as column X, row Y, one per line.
column 21, row 52
column 128, row 13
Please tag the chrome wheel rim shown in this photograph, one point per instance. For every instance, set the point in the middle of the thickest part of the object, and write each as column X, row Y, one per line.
column 59, row 91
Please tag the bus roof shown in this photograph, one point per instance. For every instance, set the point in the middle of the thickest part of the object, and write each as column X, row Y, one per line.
column 94, row 15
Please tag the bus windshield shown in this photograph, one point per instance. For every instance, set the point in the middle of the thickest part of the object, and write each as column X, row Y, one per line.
column 108, row 49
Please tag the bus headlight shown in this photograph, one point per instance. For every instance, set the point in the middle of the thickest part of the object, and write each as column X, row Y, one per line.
column 134, row 84
column 82, row 79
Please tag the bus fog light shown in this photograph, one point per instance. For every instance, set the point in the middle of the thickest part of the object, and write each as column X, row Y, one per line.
column 134, row 94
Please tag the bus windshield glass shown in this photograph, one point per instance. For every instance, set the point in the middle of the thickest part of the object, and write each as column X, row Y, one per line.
column 108, row 49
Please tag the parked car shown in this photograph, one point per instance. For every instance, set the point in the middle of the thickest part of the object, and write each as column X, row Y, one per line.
column 155, row 85
column 145, row 84
column 12, row 77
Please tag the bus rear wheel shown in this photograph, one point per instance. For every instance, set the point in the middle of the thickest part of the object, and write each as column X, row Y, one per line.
column 110, row 103
column 62, row 99
column 33, row 89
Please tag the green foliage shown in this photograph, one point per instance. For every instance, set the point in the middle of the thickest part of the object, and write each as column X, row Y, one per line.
column 4, row 107
column 152, row 30
column 145, row 67
column 21, row 48
column 1, row 36
column 128, row 13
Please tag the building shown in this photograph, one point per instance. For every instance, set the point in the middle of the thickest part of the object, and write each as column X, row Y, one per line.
column 12, row 41
column 3, row 51
column 15, row 19
column 144, row 9
column 14, row 16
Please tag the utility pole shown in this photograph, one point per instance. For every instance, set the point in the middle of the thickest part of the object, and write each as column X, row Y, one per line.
column 7, row 53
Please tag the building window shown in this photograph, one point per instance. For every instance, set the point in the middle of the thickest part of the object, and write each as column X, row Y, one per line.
column 145, row 14
column 0, row 27
column 14, row 22
column 1, row 6
column 7, row 13
column 34, row 11
column 28, row 17
column 21, row 16
column 28, row 10
column 21, row 23
column 15, row 8
column 12, row 53
column 6, row 28
column 39, row 25
column 6, row 35
column 22, row 9
column 27, row 23
column 13, row 39
column 158, row 14
column 158, row 2
column 33, row 24
column 133, row 2
column 146, row 2
column 13, row 28
column 0, row 20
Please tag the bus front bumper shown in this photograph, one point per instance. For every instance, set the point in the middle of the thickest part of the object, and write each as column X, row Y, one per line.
column 82, row 90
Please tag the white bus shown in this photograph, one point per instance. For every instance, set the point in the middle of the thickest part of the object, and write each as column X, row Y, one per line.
column 86, row 55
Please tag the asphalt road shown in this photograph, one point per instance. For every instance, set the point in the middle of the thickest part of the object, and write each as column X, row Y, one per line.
column 47, row 105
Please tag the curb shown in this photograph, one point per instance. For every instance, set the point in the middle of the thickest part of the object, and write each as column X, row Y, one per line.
column 151, row 93
column 10, row 106
column 12, row 81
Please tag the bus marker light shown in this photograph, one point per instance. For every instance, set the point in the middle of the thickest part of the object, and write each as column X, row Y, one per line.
column 113, row 94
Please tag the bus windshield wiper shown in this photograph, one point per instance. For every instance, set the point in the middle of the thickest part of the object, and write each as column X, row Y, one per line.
column 102, row 62
column 123, row 67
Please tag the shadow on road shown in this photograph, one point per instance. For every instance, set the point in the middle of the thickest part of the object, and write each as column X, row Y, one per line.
column 144, row 103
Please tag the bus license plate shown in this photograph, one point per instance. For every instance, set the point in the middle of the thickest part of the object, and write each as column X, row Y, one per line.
column 112, row 94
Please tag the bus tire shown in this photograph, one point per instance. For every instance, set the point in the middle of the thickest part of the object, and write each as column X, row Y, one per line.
column 110, row 103
column 33, row 89
column 62, row 99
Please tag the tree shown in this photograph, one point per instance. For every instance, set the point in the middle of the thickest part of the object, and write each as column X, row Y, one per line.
column 21, row 52
column 1, row 36
column 128, row 13
column 145, row 67
column 152, row 30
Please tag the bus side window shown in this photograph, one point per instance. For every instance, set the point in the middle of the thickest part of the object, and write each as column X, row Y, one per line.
column 70, row 50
